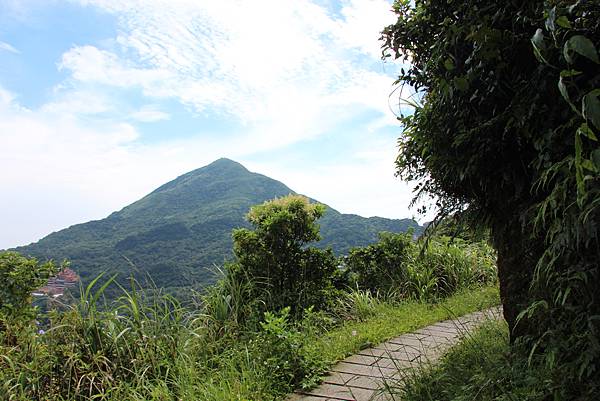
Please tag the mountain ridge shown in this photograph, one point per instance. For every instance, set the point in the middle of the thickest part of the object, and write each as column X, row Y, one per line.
column 177, row 232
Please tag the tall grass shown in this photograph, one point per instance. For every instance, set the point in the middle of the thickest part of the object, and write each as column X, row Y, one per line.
column 486, row 367
column 147, row 345
column 88, row 352
column 357, row 304
column 423, row 270
column 444, row 266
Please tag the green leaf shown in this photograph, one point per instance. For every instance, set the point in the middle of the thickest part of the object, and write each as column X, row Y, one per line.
column 565, row 94
column 585, row 130
column 591, row 108
column 582, row 46
column 449, row 64
column 538, row 45
column 569, row 73
column 461, row 83
column 588, row 165
column 563, row 22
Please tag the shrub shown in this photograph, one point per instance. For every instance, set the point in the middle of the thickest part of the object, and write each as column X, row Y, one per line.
column 275, row 259
column 381, row 267
column 423, row 270
column 279, row 349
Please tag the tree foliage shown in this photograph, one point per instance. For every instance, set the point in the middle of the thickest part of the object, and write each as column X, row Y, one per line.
column 19, row 277
column 506, row 126
column 275, row 259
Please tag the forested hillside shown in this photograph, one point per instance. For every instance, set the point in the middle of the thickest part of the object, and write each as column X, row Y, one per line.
column 177, row 233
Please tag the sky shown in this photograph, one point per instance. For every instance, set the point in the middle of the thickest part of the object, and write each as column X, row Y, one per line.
column 102, row 101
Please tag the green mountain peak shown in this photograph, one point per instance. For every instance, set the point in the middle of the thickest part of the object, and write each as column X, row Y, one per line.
column 179, row 231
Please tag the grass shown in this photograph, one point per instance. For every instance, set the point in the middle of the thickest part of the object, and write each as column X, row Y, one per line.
column 389, row 320
column 484, row 367
column 147, row 345
column 158, row 350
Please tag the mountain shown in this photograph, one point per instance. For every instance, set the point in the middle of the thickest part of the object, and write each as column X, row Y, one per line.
column 178, row 232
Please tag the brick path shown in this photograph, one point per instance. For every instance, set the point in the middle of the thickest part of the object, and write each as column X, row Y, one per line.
column 360, row 376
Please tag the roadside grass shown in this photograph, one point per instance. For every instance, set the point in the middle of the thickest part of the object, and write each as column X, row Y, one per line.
column 483, row 367
column 390, row 319
column 156, row 349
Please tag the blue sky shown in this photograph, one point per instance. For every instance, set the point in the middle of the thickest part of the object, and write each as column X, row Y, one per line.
column 101, row 101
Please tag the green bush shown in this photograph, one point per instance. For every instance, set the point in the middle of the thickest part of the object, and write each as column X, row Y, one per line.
column 275, row 259
column 279, row 348
column 381, row 267
column 424, row 270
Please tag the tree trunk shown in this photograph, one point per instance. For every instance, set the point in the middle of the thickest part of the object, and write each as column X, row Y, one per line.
column 516, row 262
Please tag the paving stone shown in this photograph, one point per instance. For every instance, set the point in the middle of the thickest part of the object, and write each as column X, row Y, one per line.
column 397, row 364
column 389, row 346
column 420, row 344
column 403, row 353
column 363, row 370
column 361, row 359
column 362, row 394
column 445, row 329
column 361, row 377
column 435, row 332
column 377, row 352
column 333, row 391
column 409, row 338
column 372, row 383
column 337, row 378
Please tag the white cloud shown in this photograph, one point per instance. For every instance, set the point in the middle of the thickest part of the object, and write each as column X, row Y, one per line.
column 364, row 184
column 362, row 25
column 7, row 47
column 78, row 101
column 288, row 70
column 58, row 170
column 241, row 58
column 284, row 71
column 149, row 114
column 90, row 64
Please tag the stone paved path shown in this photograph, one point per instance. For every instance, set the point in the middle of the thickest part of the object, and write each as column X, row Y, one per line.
column 360, row 376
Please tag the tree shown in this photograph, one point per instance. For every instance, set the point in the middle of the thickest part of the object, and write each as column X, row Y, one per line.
column 505, row 127
column 19, row 277
column 275, row 259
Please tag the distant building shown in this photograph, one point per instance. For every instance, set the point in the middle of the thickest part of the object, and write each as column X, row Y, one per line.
column 56, row 286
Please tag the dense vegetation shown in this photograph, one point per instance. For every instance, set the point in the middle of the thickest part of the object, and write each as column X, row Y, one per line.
column 177, row 233
column 399, row 266
column 244, row 339
column 505, row 132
